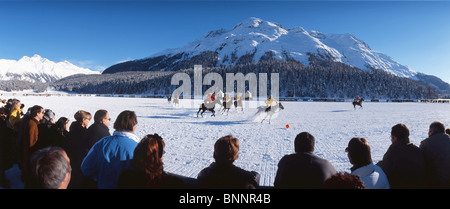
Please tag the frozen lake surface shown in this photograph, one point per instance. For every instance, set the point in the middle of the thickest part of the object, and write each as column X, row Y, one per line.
column 190, row 140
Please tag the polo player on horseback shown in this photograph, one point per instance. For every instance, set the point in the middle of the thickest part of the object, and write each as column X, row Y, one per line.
column 270, row 102
column 227, row 98
column 208, row 98
column 237, row 97
column 358, row 101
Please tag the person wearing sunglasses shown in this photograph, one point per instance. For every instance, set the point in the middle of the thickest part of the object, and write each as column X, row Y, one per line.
column 30, row 136
column 99, row 129
column 111, row 155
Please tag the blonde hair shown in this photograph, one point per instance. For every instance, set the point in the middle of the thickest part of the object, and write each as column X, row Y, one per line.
column 80, row 115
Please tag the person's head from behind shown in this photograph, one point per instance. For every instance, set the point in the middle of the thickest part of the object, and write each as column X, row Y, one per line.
column 226, row 149
column 102, row 116
column 148, row 155
column 344, row 180
column 51, row 168
column 447, row 131
column 304, row 142
column 358, row 152
column 62, row 124
column 37, row 112
column 49, row 117
column 436, row 127
column 400, row 133
column 126, row 121
column 83, row 117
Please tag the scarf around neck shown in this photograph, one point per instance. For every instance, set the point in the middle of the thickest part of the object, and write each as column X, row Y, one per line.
column 127, row 134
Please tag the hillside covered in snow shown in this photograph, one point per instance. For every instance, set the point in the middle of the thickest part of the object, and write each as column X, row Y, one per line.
column 254, row 39
column 38, row 69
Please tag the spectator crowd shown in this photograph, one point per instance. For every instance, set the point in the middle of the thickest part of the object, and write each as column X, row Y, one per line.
column 57, row 154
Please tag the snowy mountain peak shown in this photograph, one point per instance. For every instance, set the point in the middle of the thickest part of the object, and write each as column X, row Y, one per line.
column 36, row 57
column 38, row 69
column 257, row 27
column 297, row 29
column 252, row 22
column 254, row 38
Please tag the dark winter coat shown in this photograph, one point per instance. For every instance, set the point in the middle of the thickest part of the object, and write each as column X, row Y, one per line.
column 6, row 145
column 436, row 151
column 58, row 137
column 73, row 147
column 77, row 135
column 135, row 179
column 227, row 176
column 20, row 138
column 303, row 170
column 404, row 166
column 95, row 132
column 44, row 136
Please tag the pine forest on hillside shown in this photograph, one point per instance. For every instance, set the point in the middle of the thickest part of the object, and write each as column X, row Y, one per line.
column 319, row 80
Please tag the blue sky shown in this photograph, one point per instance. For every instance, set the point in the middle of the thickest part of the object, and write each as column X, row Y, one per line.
column 98, row 34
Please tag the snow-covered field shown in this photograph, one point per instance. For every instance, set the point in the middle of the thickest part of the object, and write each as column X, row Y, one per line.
column 190, row 140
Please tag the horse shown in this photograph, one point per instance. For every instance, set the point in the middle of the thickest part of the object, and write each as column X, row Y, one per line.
column 226, row 106
column 238, row 103
column 203, row 108
column 270, row 110
column 176, row 101
column 358, row 103
column 209, row 107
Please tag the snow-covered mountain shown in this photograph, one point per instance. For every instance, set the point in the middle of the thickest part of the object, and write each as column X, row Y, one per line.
column 253, row 39
column 38, row 69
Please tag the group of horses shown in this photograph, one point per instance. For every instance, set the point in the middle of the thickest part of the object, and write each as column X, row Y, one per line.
column 226, row 106
column 176, row 101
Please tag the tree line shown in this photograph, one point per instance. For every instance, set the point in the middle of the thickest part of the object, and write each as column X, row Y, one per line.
column 321, row 79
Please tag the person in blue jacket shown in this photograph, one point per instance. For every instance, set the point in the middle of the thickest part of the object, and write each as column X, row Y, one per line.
column 112, row 154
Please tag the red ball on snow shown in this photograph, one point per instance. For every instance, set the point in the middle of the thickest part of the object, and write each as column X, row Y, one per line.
column 287, row 125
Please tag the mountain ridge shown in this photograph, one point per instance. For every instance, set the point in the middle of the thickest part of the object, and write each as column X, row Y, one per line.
column 254, row 38
column 38, row 69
